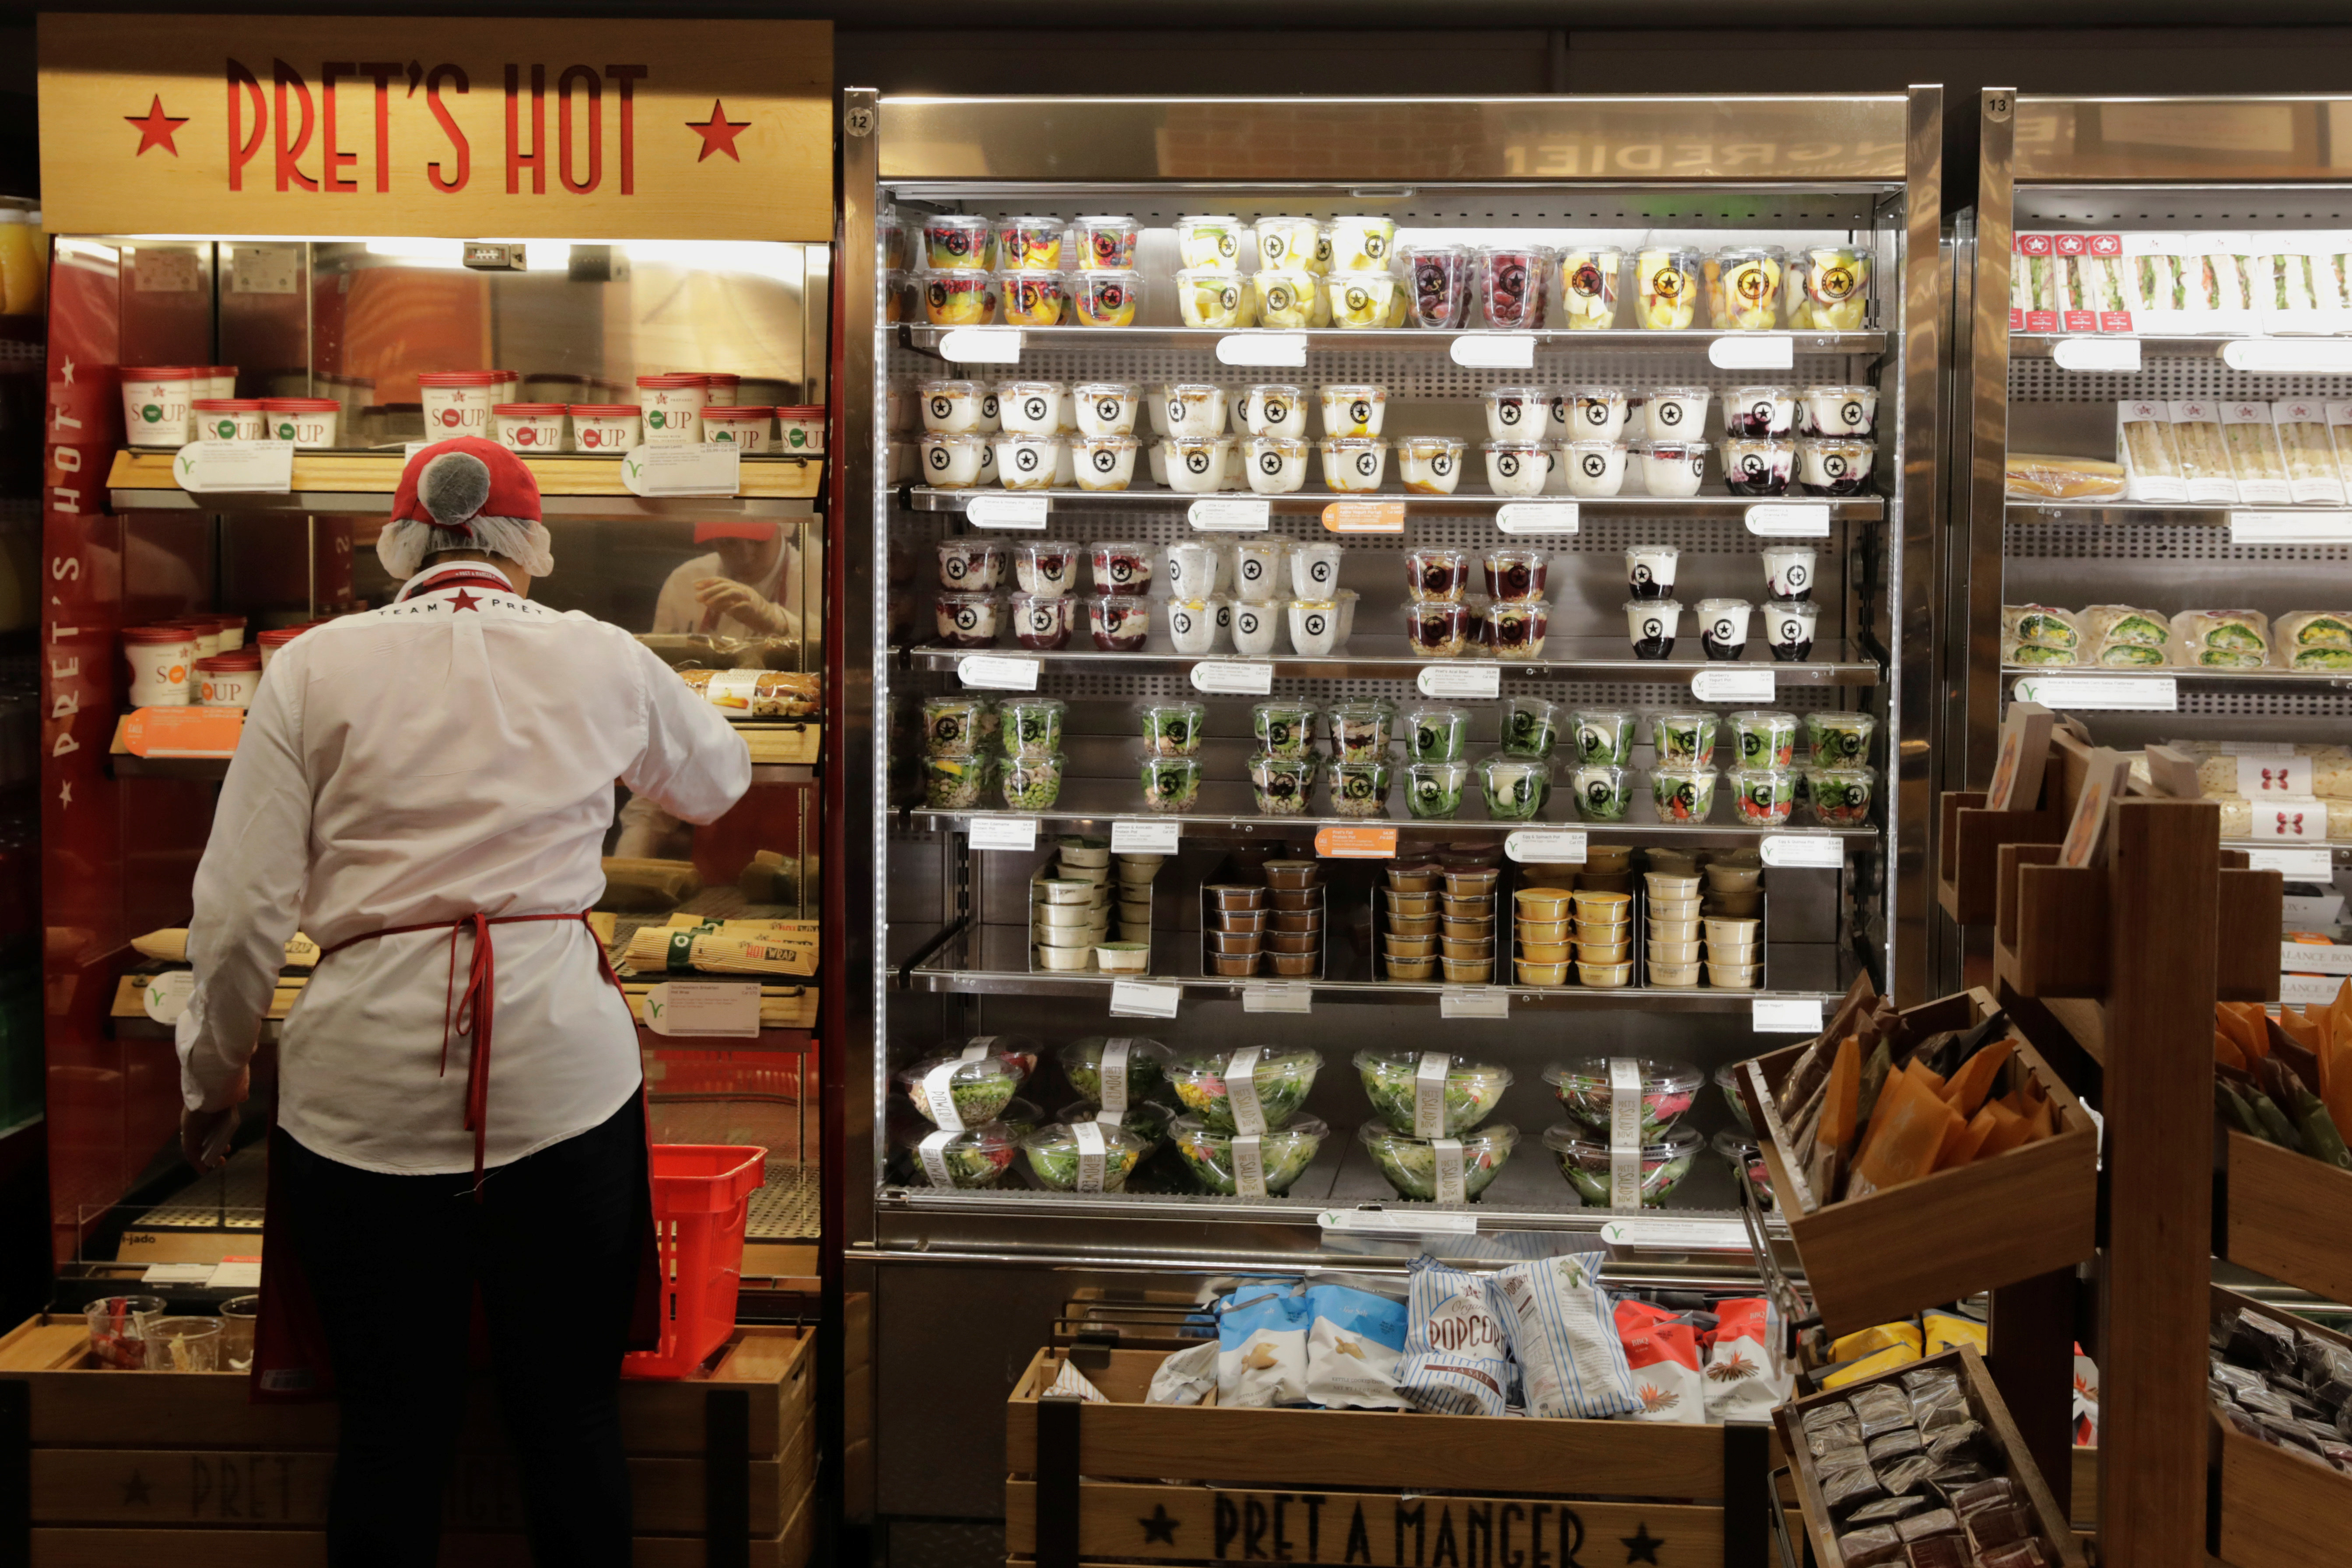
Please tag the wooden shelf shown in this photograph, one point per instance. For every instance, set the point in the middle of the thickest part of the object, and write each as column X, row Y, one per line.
column 2279, row 1509
column 570, row 486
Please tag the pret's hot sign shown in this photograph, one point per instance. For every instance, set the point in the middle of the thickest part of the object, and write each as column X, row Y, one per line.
column 436, row 126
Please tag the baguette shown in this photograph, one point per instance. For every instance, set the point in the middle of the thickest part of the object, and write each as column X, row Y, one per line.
column 2038, row 477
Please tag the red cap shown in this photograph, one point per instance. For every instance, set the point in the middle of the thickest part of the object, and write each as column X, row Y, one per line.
column 704, row 532
column 513, row 491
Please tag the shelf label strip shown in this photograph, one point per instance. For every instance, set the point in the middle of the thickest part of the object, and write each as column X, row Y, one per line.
column 1757, row 351
column 998, row 673
column 2308, row 958
column 982, row 345
column 1494, row 351
column 1742, row 685
column 250, row 468
column 679, row 1008
column 2297, row 527
column 1233, row 676
column 1538, row 516
column 2158, row 694
column 1474, row 1002
column 1278, row 996
column 1285, row 350
column 1007, row 511
column 1819, row 850
column 1144, row 999
column 1004, row 832
column 1790, row 519
column 1546, row 846
column 1134, row 836
column 1231, row 516
column 1785, row 1015
column 1469, row 680
column 2294, row 865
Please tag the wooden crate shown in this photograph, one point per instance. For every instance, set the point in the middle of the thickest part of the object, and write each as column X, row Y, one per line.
column 1868, row 1260
column 2279, row 1510
column 1200, row 1485
column 131, row 1467
column 1984, row 1403
column 2290, row 1217
column 1968, row 850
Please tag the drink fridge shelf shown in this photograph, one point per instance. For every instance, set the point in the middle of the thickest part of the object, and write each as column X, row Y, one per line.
column 1631, row 509
column 925, row 338
column 2148, row 514
column 1374, row 657
column 2186, row 673
column 994, row 959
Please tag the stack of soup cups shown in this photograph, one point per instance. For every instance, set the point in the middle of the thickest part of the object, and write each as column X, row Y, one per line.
column 1069, row 907
column 1674, row 923
column 1733, row 936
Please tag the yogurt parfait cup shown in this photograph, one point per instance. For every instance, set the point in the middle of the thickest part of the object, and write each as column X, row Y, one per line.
column 1361, row 299
column 1683, row 735
column 1284, row 728
column 1315, row 569
column 1652, row 624
column 1032, row 243
column 1763, row 739
column 1195, row 409
column 966, row 620
column 1026, row 462
column 1677, row 413
column 1755, row 468
column 1593, row 469
column 1596, row 413
column 952, row 726
column 1515, row 573
column 1273, row 410
column 1602, row 735
column 1839, row 739
column 1046, row 566
column 1196, row 463
column 1119, row 622
column 1833, row 465
column 1673, row 468
column 1850, row 412
column 1514, row 787
column 1829, row 288
column 1260, row 568
column 1510, row 285
column 1172, row 729
column 1314, row 627
column 1723, row 627
column 1354, row 465
column 1193, row 626
column 1764, row 794
column 1101, row 462
column 1275, row 465
column 1359, row 789
column 1665, row 287
column 1517, row 412
column 952, row 462
column 1032, row 783
column 1122, row 566
column 1530, row 727
column 1438, row 278
column 1430, row 465
column 1603, row 792
column 1287, row 299
column 1108, row 298
column 1788, row 572
column 1433, row 791
column 1029, row 407
column 950, row 407
column 1171, row 783
column 1435, row 734
column 1353, row 410
column 1518, row 468
column 1043, row 622
column 1104, row 408
column 1515, row 627
column 1589, row 278
column 1744, row 286
column 1840, row 795
column 1650, row 571
column 1106, row 241
column 1282, row 786
column 1682, row 792
column 1360, row 730
column 1033, row 298
column 955, row 239
column 1210, row 297
column 1789, row 628
column 1211, row 240
column 1256, row 627
column 1760, row 413
column 1437, row 628
column 959, row 297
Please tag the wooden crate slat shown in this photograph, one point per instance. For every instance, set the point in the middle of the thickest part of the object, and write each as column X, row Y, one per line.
column 2278, row 1511
column 2290, row 1216
column 308, row 1548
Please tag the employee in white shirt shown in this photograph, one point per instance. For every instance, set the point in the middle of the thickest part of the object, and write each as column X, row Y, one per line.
column 424, row 789
column 746, row 587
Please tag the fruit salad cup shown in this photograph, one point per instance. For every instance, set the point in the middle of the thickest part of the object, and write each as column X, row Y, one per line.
column 1209, row 297
column 1665, row 289
column 1029, row 244
column 1214, row 241
column 1829, row 289
column 1033, row 298
column 1510, row 279
column 1285, row 300
column 1589, row 277
column 1438, row 277
column 1107, row 298
column 1105, row 242
column 952, row 240
column 959, row 297
column 1743, row 285
column 1361, row 299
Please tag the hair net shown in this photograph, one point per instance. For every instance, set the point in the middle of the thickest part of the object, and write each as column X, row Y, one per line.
column 403, row 546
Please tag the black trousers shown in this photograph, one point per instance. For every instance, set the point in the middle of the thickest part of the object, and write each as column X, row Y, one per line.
column 553, row 1247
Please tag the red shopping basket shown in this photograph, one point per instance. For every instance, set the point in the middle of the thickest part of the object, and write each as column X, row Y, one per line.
column 702, row 1195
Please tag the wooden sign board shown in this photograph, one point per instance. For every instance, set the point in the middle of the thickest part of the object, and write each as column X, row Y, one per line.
column 432, row 126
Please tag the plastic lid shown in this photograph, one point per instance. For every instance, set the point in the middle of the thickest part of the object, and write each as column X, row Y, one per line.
column 164, row 372
column 1059, row 1136
column 298, row 404
column 674, row 378
column 977, row 1070
column 279, row 637
column 459, row 378
column 1732, row 1145
column 1211, row 1063
column 799, row 410
column 225, row 404
column 727, row 411
column 158, row 634
column 604, row 410
column 541, row 410
column 1764, row 716
column 1566, row 1137
column 1144, row 1118
column 1498, row 1136
column 233, row 658
column 720, row 377
column 1659, row 1076
column 1312, row 1128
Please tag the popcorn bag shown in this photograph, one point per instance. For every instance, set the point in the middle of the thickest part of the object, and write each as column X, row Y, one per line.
column 1456, row 1358
column 1569, row 1355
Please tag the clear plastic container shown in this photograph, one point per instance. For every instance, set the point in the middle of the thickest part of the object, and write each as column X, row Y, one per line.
column 966, row 620
column 1435, row 734
column 959, row 297
column 1764, row 795
column 1586, row 1162
column 1102, row 462
column 1032, row 783
column 1410, row 1164
column 1043, row 622
column 1054, row 1156
column 1026, row 462
column 955, row 240
column 1172, row 729
column 1282, row 786
column 972, row 566
column 1594, row 470
column 1469, row 1093
column 1590, row 277
column 1530, row 727
column 1596, row 413
column 1430, row 465
column 1763, row 738
column 1438, row 279
column 1273, row 409
column 1119, row 623
column 1829, row 288
column 1757, row 468
column 1839, row 739
column 1840, row 797
column 1354, row 465
column 976, row 1157
column 1106, row 241
column 1360, row 730
column 952, row 407
column 1516, row 573
column 1147, row 1065
column 1684, row 735
column 1603, row 735
column 1359, row 789
column 1516, row 629
column 1585, row 1088
column 1104, row 408
column 1287, row 299
column 1665, row 287
column 1672, row 467
column 1030, row 244
column 1510, row 285
column 1361, row 299
column 1030, row 726
column 1652, row 625
column 1604, row 791
column 1282, row 1077
column 1107, row 299
column 953, row 726
column 1211, row 241
column 1744, row 286
column 1436, row 573
column 1760, row 413
column 956, row 783
column 1171, row 783
column 1353, row 410
column 1122, row 566
column 1830, row 466
column 1849, row 412
column 1284, row 728
column 1683, row 793
column 1210, row 297
column 1516, row 787
column 1433, row 791
column 1518, row 468
column 1275, row 465
column 971, row 1091
column 1284, row 1152
column 952, row 462
column 1046, row 566
column 1438, row 628
column 1033, row 298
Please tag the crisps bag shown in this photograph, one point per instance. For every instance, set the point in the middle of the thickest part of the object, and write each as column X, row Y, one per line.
column 1662, row 1352
column 1262, row 1346
column 1456, row 1361
column 1745, row 1376
column 1354, row 1342
column 1570, row 1359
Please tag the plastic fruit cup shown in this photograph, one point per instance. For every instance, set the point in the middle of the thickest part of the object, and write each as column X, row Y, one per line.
column 1043, row 622
column 1102, row 462
column 1760, row 413
column 1789, row 628
column 1354, row 465
column 1108, row 299
column 1046, row 566
column 959, row 297
column 1119, row 622
column 1723, row 626
column 955, row 239
column 1439, row 278
column 1437, row 628
column 1510, row 286
column 1743, row 285
column 1593, row 469
column 1652, row 624
column 1665, row 287
column 1286, row 299
column 1829, row 466
column 1032, row 243
column 1104, row 407
column 1588, row 287
column 1682, row 792
column 950, row 407
column 1360, row 300
column 1033, row 298
column 1847, row 411
column 1281, row 785
column 1210, row 241
column 1789, row 573
column 951, row 462
column 1106, row 241
column 1516, row 629
column 228, row 419
column 1430, row 465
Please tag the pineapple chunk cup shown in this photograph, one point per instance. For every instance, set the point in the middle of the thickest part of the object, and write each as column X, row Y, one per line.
column 1666, row 279
column 1588, row 288
column 1744, row 284
column 1361, row 299
column 1829, row 289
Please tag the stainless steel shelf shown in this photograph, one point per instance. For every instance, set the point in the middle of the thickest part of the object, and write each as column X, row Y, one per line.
column 2168, row 514
column 2301, row 678
column 2022, row 345
column 1373, row 657
column 1633, row 509
column 1409, row 340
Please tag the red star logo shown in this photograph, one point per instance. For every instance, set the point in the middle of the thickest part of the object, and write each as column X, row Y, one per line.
column 156, row 127
column 464, row 601
column 718, row 133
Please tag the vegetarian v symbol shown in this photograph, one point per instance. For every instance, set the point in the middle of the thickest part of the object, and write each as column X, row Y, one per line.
column 635, row 465
column 187, row 464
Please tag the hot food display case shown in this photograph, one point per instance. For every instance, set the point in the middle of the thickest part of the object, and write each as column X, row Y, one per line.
column 1395, row 628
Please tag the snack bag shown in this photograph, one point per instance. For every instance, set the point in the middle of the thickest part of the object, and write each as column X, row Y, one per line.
column 1456, row 1361
column 1745, row 1374
column 1262, row 1346
column 1570, row 1359
column 1662, row 1351
column 1071, row 1381
column 1951, row 1331
column 1352, row 1348
column 1186, row 1377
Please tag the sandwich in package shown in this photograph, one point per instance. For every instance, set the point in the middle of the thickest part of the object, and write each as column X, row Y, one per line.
column 2218, row 272
column 2298, row 289
column 2204, row 453
column 2090, row 283
column 2119, row 637
column 2309, row 451
column 2032, row 284
column 2251, row 437
column 2314, row 639
column 2222, row 639
column 2144, row 446
column 2040, row 637
column 2046, row 476
column 1456, row 1358
column 1571, row 1360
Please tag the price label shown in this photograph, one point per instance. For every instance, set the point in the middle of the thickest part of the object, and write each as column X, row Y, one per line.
column 998, row 673
column 1356, row 843
column 1233, row 678
column 1133, row 835
column 1231, row 516
column 1386, row 1222
column 705, row 468
column 1283, row 349
column 1364, row 517
column 2310, row 958
column 1459, row 681
column 1496, row 351
column 2085, row 693
column 1474, row 1002
column 1675, row 1234
column 684, row 1008
column 1753, row 350
column 2114, row 355
column 982, row 345
column 1802, row 850
column 1739, row 685
column 183, row 732
column 1536, row 517
column 165, row 996
column 2294, row 865
column 2289, row 356
column 1790, row 519
column 1144, row 999
column 253, row 467
column 1785, row 1015
column 1004, row 832
column 2312, row 527
column 1007, row 511
column 1545, row 846
column 2308, row 990
column 1279, row 996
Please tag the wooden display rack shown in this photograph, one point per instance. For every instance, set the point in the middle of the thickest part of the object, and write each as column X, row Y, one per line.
column 139, row 1467
column 378, row 473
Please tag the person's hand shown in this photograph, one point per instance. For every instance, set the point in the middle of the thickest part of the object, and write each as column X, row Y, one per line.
column 205, row 1134
column 722, row 597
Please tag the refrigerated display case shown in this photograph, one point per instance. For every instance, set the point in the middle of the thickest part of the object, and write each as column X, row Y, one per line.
column 1812, row 222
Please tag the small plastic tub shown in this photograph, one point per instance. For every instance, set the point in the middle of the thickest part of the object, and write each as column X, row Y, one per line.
column 529, row 426
column 744, row 427
column 1353, row 465
column 1547, row 952
column 1410, row 946
column 1533, row 974
column 156, row 403
column 966, row 620
column 1412, row 969
column 1604, row 976
column 1733, row 976
column 606, row 426
column 1108, row 297
column 1102, row 462
column 227, row 679
column 672, row 408
column 1430, row 465
column 1043, row 622
column 312, row 423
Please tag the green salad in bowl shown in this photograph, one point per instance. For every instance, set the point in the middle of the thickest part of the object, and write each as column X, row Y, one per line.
column 1410, row 1163
column 1285, row 1152
column 1147, row 1066
column 977, row 1087
column 1054, row 1156
column 1585, row 1161
column 1282, row 1079
column 1472, row 1090
column 1584, row 1087
column 975, row 1157
column 1145, row 1120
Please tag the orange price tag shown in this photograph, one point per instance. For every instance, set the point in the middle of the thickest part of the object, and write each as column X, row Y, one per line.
column 1364, row 517
column 1356, row 843
column 183, row 732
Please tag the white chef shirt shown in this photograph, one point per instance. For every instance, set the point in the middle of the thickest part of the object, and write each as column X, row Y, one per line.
column 451, row 752
column 677, row 610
